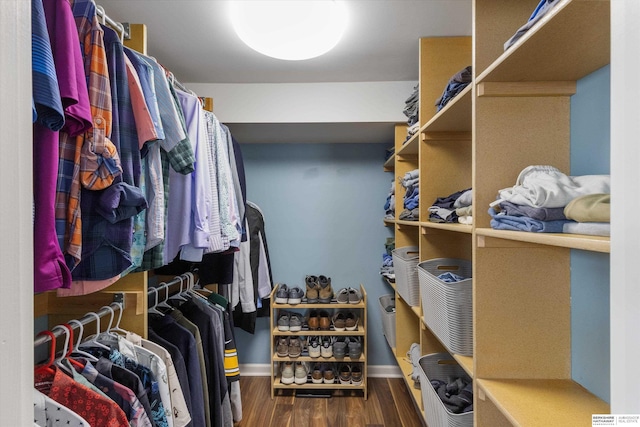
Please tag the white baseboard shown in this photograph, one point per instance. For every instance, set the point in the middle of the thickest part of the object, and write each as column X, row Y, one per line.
column 375, row 371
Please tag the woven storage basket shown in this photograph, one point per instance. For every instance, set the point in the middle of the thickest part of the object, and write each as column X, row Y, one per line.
column 448, row 307
column 441, row 366
column 405, row 261
column 388, row 318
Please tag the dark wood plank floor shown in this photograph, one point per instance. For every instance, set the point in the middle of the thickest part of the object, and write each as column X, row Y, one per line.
column 389, row 404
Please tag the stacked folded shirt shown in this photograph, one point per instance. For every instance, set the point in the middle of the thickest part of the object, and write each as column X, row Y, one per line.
column 543, row 7
column 454, row 208
column 386, row 269
column 545, row 200
column 456, row 83
column 411, row 107
column 390, row 205
column 412, row 195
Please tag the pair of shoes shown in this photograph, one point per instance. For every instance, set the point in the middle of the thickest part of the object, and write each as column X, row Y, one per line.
column 291, row 347
column 291, row 322
column 286, row 295
column 313, row 346
column 347, row 345
column 319, row 320
column 293, row 373
column 348, row 321
column 348, row 296
column 319, row 289
column 350, row 374
column 322, row 374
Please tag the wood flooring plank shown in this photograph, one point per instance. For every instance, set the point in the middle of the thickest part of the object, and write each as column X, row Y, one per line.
column 281, row 415
column 388, row 405
column 404, row 404
column 391, row 418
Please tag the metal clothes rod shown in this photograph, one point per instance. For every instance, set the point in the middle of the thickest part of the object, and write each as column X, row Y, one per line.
column 123, row 28
column 84, row 320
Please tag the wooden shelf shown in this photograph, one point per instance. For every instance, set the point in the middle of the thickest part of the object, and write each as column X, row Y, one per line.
column 571, row 41
column 388, row 222
column 320, row 359
column 407, row 369
column 458, row 228
column 309, row 385
column 542, row 402
column 488, row 237
column 410, row 147
column 410, row 223
column 454, row 117
column 466, row 362
column 360, row 332
column 389, row 165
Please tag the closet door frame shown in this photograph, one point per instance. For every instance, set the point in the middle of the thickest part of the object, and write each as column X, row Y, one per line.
column 16, row 227
column 625, row 231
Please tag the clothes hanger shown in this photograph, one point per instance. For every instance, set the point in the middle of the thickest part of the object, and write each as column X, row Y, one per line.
column 77, row 351
column 154, row 310
column 67, row 349
column 117, row 328
column 179, row 296
column 163, row 303
column 46, row 367
column 93, row 341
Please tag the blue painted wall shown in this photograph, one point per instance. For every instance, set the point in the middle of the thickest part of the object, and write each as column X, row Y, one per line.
column 323, row 206
column 590, row 129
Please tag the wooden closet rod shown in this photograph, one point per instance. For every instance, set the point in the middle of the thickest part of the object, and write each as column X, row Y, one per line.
column 117, row 304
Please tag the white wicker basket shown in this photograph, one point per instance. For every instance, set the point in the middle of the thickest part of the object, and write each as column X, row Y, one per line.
column 448, row 307
column 405, row 261
column 388, row 318
column 441, row 366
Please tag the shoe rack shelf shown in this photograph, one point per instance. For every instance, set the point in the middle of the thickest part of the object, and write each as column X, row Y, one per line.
column 303, row 308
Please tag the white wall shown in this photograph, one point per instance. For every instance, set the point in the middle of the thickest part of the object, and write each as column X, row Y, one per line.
column 16, row 249
column 308, row 102
column 625, row 203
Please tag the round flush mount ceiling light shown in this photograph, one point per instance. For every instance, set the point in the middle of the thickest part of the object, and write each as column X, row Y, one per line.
column 290, row 29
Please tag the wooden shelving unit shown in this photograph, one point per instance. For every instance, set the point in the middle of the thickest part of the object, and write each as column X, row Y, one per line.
column 331, row 308
column 516, row 113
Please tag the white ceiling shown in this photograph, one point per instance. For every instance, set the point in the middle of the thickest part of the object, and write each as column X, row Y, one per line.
column 194, row 39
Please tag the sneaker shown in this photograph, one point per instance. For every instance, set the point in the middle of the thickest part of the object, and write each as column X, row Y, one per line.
column 339, row 321
column 354, row 296
column 343, row 296
column 300, row 373
column 313, row 346
column 356, row 375
column 295, row 295
column 283, row 321
column 351, row 321
column 295, row 322
column 355, row 348
column 328, row 376
column 287, row 376
column 282, row 294
column 282, row 348
column 345, row 374
column 325, row 323
column 312, row 289
column 325, row 292
column 316, row 375
column 295, row 347
column 340, row 347
column 314, row 320
column 326, row 349
column 414, row 355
